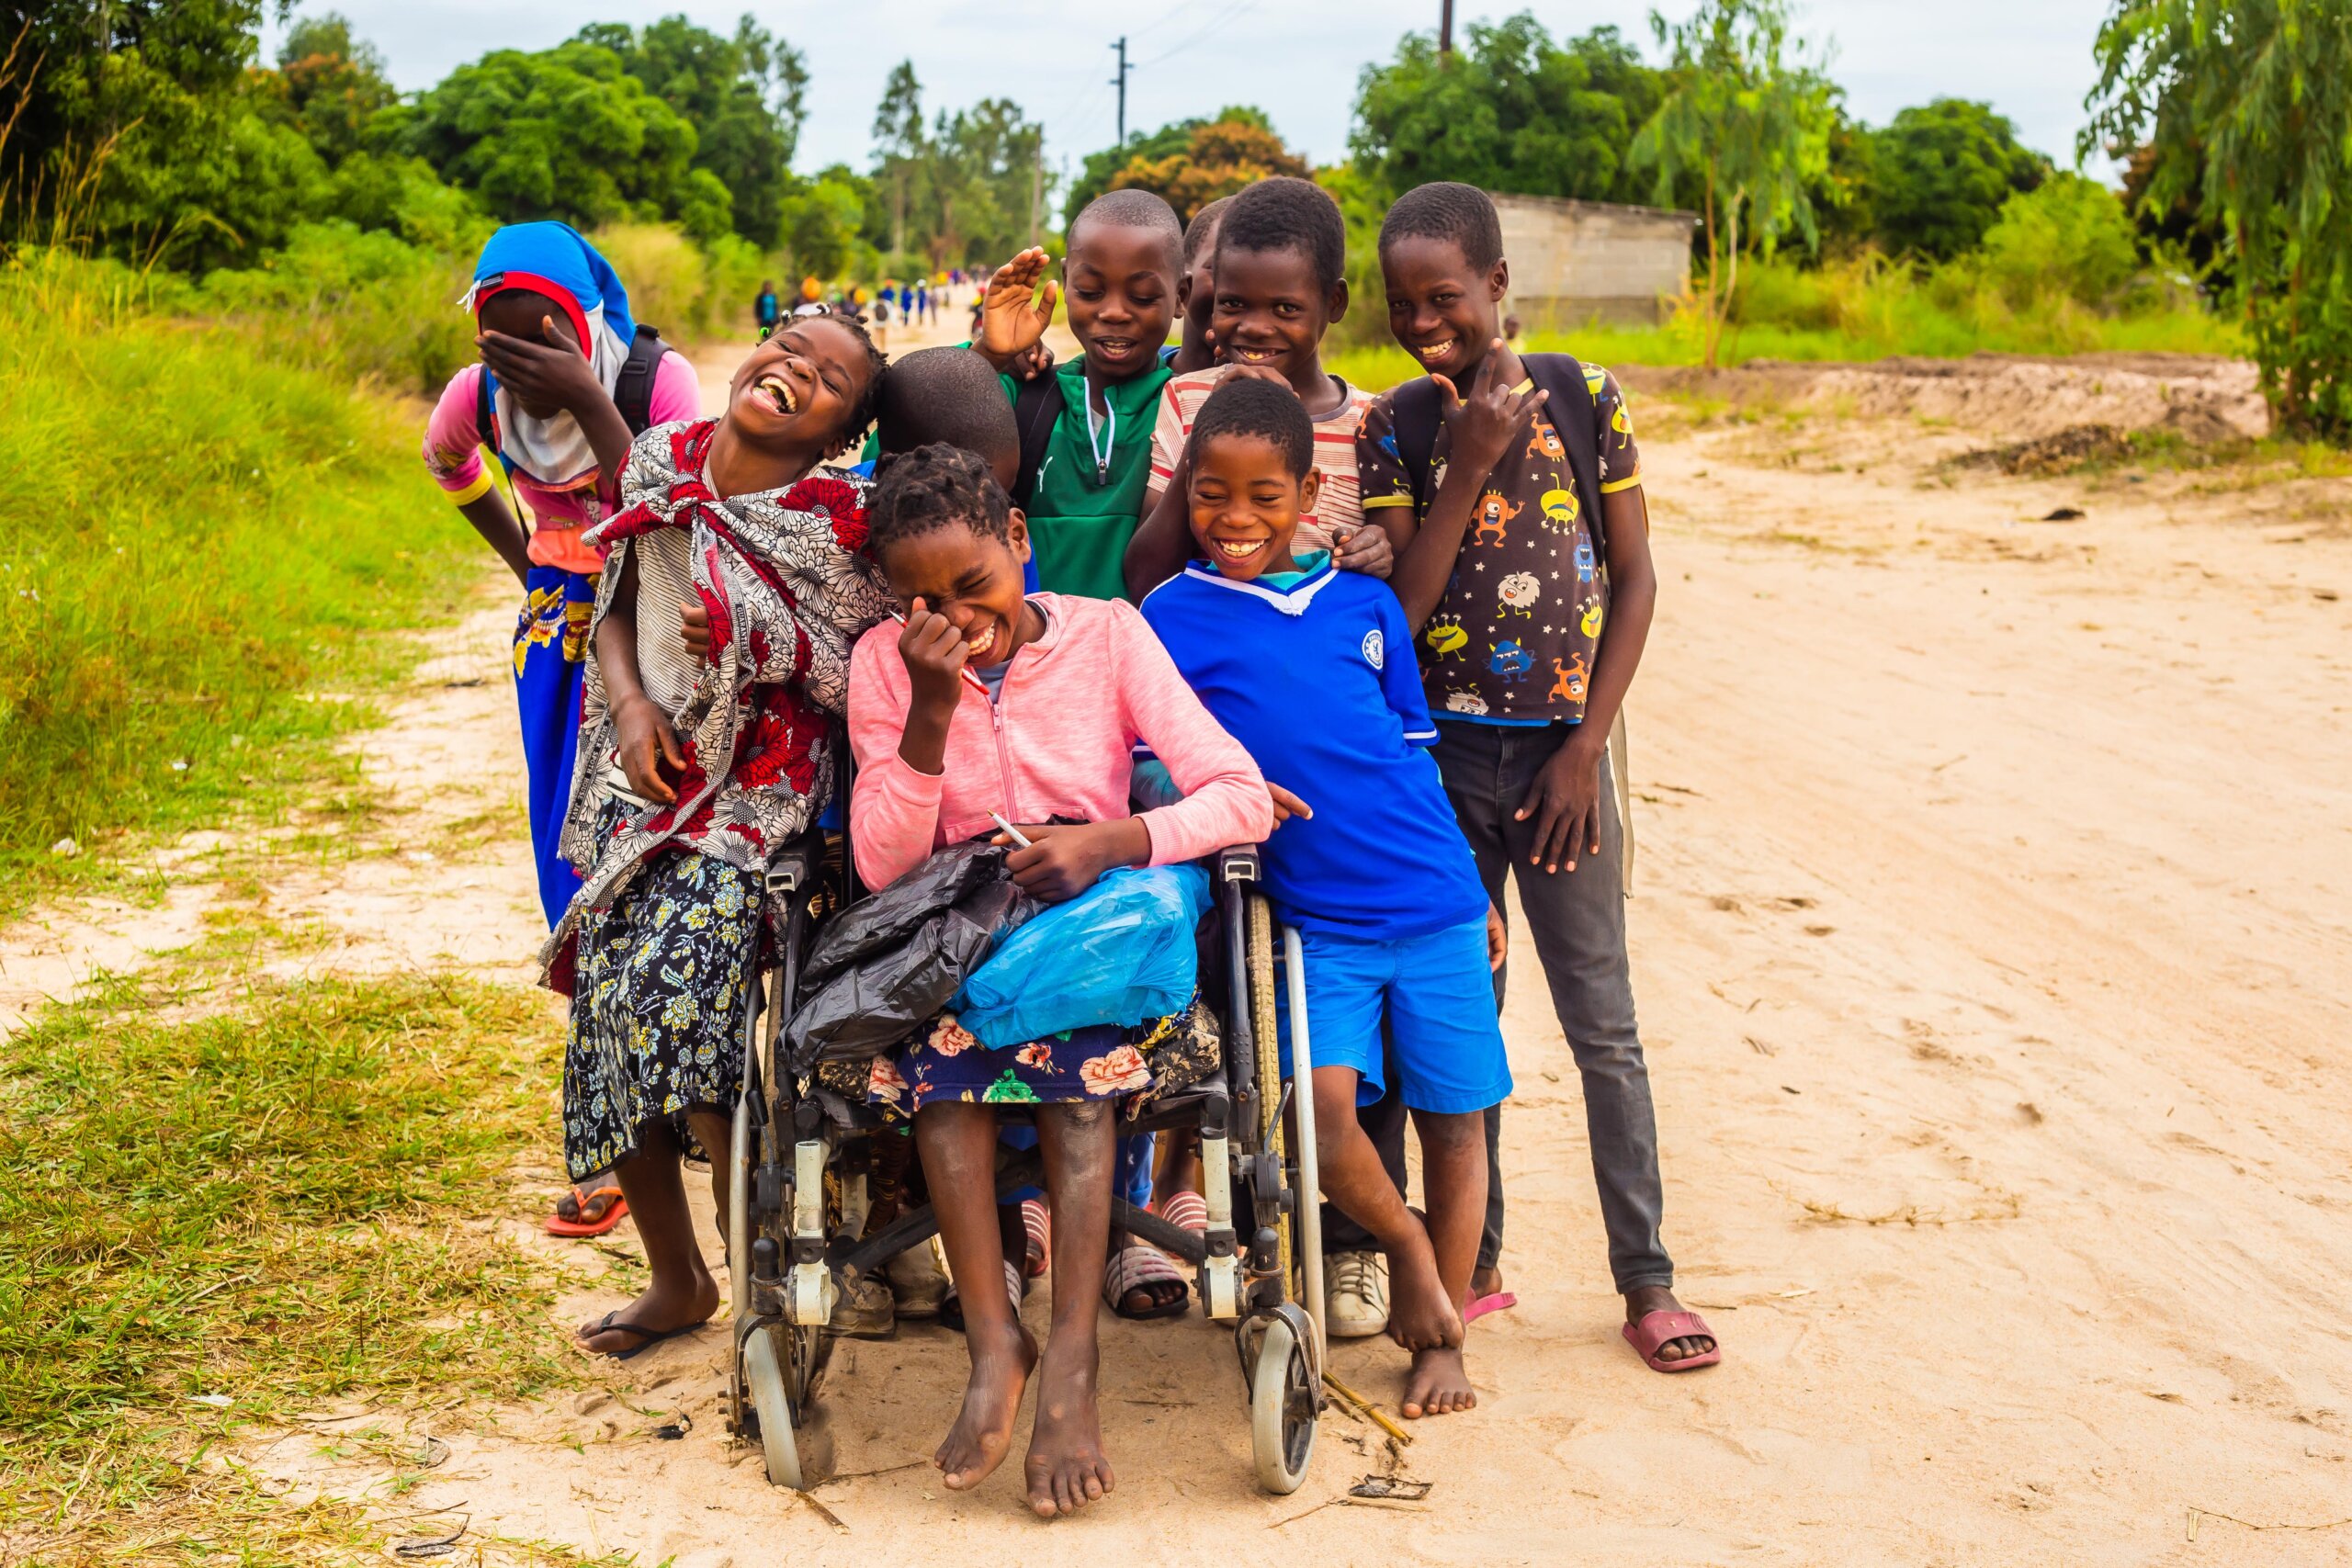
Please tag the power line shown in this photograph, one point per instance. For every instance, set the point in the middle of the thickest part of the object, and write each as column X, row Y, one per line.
column 1228, row 13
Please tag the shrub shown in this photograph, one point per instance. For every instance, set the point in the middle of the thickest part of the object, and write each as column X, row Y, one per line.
column 2070, row 237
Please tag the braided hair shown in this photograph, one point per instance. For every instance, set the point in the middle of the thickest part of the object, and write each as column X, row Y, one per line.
column 932, row 488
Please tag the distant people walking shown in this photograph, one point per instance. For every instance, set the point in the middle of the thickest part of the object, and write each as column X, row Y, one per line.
column 763, row 308
column 922, row 300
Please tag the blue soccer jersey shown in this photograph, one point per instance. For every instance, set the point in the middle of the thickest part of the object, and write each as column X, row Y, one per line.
column 1317, row 681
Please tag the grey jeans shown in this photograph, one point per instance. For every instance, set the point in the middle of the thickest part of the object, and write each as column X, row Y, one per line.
column 1577, row 922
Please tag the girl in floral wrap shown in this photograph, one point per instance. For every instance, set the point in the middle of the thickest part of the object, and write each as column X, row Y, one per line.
column 697, row 763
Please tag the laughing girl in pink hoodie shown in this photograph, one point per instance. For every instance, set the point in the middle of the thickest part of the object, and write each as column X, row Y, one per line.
column 987, row 701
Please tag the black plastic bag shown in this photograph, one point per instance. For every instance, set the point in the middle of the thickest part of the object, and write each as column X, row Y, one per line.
column 888, row 962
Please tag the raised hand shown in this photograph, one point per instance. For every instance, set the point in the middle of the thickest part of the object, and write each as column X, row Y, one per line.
column 1011, row 321
column 1481, row 427
column 934, row 650
column 546, row 372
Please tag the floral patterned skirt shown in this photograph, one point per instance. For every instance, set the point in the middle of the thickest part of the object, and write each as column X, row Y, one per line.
column 1105, row 1061
column 657, row 1014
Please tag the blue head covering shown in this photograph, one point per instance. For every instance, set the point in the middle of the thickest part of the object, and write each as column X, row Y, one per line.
column 558, row 253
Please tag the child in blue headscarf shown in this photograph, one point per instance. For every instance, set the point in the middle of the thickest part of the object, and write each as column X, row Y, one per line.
column 556, row 337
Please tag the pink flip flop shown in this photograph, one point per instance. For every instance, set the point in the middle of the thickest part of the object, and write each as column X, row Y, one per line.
column 1501, row 1301
column 1649, row 1335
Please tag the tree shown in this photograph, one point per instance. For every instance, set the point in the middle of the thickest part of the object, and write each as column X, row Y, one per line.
column 1218, row 158
column 744, row 95
column 1941, row 173
column 1096, row 174
column 2067, row 236
column 821, row 218
column 985, row 167
column 2246, row 103
column 1748, row 117
column 331, row 84
column 1513, row 112
column 563, row 133
column 899, row 144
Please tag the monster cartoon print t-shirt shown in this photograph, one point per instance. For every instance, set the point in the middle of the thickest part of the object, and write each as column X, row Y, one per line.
column 1513, row 638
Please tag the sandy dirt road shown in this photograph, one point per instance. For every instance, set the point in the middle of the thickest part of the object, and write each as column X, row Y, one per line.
column 1992, row 950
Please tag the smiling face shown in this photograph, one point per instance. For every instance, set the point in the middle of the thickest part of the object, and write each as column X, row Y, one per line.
column 801, row 387
column 1439, row 309
column 971, row 577
column 1270, row 312
column 1121, row 284
column 1246, row 504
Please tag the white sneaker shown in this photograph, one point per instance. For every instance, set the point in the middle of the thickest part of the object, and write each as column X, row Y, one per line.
column 1355, row 1294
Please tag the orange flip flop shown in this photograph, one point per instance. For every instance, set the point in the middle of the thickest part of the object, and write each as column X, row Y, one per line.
column 615, row 1214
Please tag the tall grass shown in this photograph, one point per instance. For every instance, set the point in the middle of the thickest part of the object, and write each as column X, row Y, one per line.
column 198, row 531
column 1867, row 307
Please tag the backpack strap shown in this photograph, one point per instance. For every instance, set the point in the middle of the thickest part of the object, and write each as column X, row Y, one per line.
column 486, row 416
column 633, row 391
column 1035, row 407
column 1569, row 410
column 1413, row 420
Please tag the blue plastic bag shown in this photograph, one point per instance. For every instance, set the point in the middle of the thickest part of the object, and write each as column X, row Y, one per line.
column 1119, row 952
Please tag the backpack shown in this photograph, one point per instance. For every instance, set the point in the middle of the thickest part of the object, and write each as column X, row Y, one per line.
column 1034, row 408
column 632, row 393
column 1568, row 410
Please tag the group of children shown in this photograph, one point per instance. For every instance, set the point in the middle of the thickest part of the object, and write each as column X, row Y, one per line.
column 1384, row 636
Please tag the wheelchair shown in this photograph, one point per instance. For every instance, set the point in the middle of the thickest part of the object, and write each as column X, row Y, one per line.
column 797, row 1198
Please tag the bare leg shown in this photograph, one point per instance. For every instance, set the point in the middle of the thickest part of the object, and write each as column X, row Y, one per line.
column 682, row 1291
column 958, row 1146
column 1454, row 1172
column 1066, row 1469
column 1423, row 1312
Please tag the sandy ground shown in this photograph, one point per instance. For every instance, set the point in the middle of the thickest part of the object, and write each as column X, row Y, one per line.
column 1992, row 957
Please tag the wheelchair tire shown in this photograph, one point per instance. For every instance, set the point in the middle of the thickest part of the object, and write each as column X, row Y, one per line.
column 1266, row 1032
column 769, row 1382
column 1283, row 1411
column 739, row 1249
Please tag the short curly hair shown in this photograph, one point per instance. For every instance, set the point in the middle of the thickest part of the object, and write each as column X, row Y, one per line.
column 1286, row 214
column 1448, row 209
column 1248, row 405
column 932, row 488
column 950, row 395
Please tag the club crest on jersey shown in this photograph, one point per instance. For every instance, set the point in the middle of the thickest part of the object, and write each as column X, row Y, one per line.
column 1375, row 650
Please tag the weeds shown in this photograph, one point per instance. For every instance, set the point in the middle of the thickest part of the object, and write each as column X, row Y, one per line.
column 290, row 1197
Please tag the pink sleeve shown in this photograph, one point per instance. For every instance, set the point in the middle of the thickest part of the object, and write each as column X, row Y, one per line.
column 677, row 390
column 453, row 442
column 893, row 809
column 1225, row 794
column 1167, row 444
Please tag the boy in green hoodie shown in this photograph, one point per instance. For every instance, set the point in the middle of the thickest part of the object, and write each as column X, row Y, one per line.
column 1086, row 426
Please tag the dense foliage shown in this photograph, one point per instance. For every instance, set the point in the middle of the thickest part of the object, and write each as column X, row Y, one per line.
column 1216, row 159
column 968, row 187
column 2246, row 103
column 1941, row 172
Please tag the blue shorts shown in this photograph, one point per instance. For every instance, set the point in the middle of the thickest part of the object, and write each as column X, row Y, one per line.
column 1439, row 996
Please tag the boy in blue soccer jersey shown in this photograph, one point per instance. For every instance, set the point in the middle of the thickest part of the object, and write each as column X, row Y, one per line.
column 1312, row 670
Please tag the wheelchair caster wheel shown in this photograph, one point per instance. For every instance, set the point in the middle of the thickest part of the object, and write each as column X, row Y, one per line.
column 1283, row 1405
column 777, row 1373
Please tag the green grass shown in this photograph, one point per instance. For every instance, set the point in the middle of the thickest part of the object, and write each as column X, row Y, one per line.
column 199, row 534
column 1864, row 310
column 285, row 1195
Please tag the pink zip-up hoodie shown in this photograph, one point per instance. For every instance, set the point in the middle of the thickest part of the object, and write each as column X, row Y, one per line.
column 1058, row 741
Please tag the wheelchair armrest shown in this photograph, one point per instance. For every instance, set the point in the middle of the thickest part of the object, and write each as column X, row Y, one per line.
column 795, row 866
column 1237, row 863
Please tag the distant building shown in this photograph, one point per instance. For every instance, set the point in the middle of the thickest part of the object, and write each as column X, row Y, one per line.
column 1574, row 261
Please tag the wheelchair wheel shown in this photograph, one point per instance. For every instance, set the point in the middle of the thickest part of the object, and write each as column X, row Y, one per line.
column 1282, row 1410
column 739, row 1249
column 779, row 1364
column 1260, row 923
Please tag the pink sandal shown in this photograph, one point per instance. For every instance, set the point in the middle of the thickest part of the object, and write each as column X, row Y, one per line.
column 1656, row 1328
column 1499, row 1300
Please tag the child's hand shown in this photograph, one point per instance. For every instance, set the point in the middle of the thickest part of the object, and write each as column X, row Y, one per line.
column 1564, row 800
column 550, row 371
column 1497, row 939
column 696, row 623
column 934, row 651
column 647, row 744
column 1064, row 860
column 1030, row 363
column 1481, row 427
column 1236, row 369
column 1010, row 324
column 1286, row 804
column 1367, row 550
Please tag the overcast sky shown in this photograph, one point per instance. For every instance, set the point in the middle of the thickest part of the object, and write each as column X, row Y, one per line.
column 1297, row 58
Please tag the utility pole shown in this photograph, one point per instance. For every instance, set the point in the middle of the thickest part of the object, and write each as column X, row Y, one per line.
column 1445, row 28
column 1120, row 81
column 1037, row 183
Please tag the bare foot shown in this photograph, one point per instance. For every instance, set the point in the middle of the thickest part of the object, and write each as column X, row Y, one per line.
column 976, row 1444
column 1420, row 1315
column 659, row 1310
column 1066, row 1468
column 1644, row 1299
column 1438, row 1384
